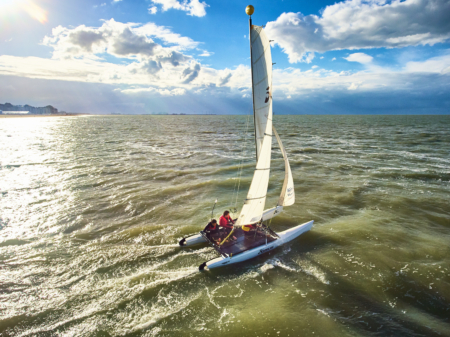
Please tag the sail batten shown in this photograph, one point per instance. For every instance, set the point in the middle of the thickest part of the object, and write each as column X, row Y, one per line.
column 265, row 78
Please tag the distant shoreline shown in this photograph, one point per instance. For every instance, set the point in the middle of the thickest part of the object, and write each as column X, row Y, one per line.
column 54, row 115
column 176, row 115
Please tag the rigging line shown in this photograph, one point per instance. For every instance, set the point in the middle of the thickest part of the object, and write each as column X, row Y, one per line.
column 239, row 168
column 270, row 222
column 242, row 160
column 237, row 178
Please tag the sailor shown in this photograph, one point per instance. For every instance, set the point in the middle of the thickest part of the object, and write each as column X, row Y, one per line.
column 212, row 229
column 226, row 223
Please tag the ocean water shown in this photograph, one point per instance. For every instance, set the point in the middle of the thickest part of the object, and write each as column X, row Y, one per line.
column 92, row 208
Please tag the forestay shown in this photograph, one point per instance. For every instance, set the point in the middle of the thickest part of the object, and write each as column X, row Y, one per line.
column 261, row 61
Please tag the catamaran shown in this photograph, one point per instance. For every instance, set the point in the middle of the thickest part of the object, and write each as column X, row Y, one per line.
column 251, row 237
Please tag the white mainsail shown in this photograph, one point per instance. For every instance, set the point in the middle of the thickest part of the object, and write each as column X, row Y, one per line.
column 261, row 84
column 261, row 61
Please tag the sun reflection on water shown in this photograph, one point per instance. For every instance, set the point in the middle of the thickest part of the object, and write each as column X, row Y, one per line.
column 35, row 189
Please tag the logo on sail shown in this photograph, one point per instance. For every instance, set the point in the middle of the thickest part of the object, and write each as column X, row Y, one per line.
column 290, row 192
column 268, row 95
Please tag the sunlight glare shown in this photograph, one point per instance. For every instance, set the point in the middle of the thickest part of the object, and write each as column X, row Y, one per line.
column 35, row 11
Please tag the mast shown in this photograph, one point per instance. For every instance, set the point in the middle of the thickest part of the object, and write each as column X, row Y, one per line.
column 261, row 67
column 249, row 10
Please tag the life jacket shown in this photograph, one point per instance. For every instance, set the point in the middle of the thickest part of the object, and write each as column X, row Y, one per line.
column 247, row 228
column 224, row 221
column 211, row 226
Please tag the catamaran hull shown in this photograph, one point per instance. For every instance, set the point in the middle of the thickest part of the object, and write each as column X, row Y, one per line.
column 284, row 237
column 192, row 240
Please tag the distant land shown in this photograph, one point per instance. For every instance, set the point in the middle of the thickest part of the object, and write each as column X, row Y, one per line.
column 162, row 113
column 28, row 110
column 9, row 108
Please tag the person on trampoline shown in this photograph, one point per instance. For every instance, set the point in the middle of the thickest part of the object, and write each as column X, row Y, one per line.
column 212, row 231
column 226, row 223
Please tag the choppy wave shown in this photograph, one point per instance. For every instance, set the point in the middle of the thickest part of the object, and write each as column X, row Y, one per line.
column 92, row 209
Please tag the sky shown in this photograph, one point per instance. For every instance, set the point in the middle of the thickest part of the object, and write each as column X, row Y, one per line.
column 192, row 56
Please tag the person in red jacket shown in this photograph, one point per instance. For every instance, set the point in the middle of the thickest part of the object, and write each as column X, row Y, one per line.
column 212, row 230
column 226, row 223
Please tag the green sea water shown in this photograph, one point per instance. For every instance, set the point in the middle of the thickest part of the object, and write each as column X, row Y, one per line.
column 92, row 208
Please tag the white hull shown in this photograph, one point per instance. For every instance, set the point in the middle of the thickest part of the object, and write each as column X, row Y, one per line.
column 192, row 240
column 285, row 237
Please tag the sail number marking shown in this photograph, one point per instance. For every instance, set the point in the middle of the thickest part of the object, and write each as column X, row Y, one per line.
column 262, row 251
column 268, row 95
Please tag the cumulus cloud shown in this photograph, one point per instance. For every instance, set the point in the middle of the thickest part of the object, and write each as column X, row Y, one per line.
column 118, row 39
column 359, row 24
column 153, row 59
column 126, row 43
column 79, row 55
column 152, row 67
column 225, row 80
column 174, row 58
column 176, row 41
column 153, row 10
column 353, row 86
column 193, row 7
column 167, row 36
column 131, row 42
column 360, row 58
column 85, row 39
column 438, row 64
column 112, row 37
column 166, row 69
column 191, row 73
column 206, row 53
column 162, row 92
column 408, row 79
